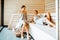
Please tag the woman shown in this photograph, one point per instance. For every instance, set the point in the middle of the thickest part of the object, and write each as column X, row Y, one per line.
column 23, row 16
column 23, row 21
column 25, row 27
column 35, row 16
column 49, row 19
column 44, row 20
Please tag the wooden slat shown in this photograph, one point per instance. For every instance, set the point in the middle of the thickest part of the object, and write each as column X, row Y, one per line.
column 50, row 6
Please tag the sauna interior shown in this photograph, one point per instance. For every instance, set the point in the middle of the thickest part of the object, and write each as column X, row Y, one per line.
column 10, row 12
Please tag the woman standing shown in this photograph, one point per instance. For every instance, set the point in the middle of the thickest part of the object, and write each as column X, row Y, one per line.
column 23, row 22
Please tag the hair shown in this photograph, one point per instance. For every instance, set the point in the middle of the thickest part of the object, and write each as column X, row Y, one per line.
column 51, row 18
column 23, row 6
column 36, row 11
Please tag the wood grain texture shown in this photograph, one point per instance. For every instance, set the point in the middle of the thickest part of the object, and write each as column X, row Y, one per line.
column 50, row 6
column 59, row 15
column 13, row 6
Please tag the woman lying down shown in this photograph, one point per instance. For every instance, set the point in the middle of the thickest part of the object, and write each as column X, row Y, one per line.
column 46, row 20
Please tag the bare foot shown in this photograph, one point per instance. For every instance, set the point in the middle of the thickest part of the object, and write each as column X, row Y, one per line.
column 21, row 37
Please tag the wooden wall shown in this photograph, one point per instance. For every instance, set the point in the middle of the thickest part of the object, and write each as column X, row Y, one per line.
column 59, row 19
column 32, row 5
column 50, row 6
column 9, row 9
column 59, row 15
column 13, row 6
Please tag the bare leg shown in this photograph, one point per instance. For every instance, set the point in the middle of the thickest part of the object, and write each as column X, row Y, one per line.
column 27, row 31
column 21, row 35
column 27, row 35
column 22, row 31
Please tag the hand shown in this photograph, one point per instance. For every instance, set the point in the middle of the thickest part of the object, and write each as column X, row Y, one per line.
column 51, row 25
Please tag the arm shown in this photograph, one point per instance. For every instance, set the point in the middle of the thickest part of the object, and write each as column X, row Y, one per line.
column 32, row 19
